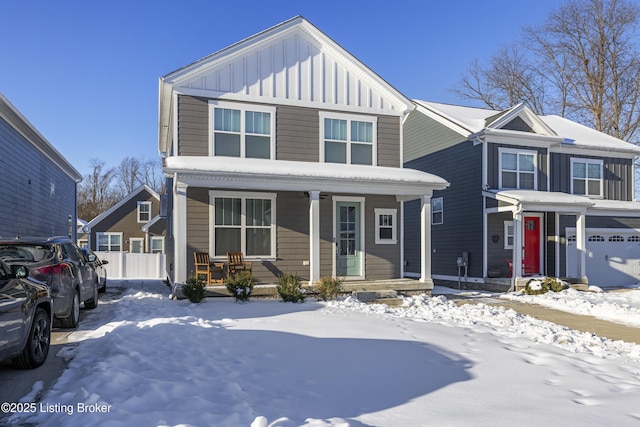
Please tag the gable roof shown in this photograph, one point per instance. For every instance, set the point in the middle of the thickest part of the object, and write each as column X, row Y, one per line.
column 18, row 122
column 473, row 123
column 292, row 63
column 114, row 208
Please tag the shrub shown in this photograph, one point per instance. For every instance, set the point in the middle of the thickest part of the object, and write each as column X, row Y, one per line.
column 329, row 287
column 240, row 285
column 194, row 289
column 542, row 286
column 290, row 289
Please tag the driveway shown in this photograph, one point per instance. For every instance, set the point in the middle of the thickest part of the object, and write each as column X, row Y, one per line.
column 17, row 383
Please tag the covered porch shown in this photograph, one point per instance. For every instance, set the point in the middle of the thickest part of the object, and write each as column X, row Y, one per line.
column 313, row 182
column 532, row 237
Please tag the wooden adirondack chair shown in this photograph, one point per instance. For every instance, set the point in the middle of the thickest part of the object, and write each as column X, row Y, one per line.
column 236, row 262
column 212, row 273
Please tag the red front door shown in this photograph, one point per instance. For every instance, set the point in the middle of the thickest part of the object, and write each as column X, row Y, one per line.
column 531, row 256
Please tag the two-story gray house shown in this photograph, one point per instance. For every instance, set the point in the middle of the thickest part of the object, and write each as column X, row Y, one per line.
column 37, row 184
column 529, row 195
column 287, row 148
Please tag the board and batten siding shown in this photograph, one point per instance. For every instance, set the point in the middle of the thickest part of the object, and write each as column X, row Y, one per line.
column 617, row 175
column 37, row 198
column 493, row 164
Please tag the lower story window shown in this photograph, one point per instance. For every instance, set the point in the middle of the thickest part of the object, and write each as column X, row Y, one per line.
column 109, row 242
column 157, row 245
column 386, row 226
column 508, row 234
column 243, row 222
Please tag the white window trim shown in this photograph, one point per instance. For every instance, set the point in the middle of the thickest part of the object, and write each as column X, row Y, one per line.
column 518, row 152
column 213, row 104
column 349, row 118
column 587, row 161
column 394, row 227
column 136, row 239
column 156, row 238
column 508, row 224
column 434, row 211
column 242, row 195
column 139, row 212
column 109, row 244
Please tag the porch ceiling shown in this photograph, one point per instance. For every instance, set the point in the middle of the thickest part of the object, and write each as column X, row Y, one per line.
column 545, row 201
column 283, row 175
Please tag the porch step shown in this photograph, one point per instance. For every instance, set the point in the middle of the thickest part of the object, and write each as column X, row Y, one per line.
column 387, row 297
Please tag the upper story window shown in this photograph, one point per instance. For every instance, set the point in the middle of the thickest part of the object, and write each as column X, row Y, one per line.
column 242, row 130
column 346, row 138
column 437, row 211
column 518, row 169
column 586, row 177
column 144, row 211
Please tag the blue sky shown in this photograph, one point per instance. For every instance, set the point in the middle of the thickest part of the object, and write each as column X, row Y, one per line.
column 85, row 73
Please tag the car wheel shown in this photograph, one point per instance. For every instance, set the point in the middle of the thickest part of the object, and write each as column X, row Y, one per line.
column 72, row 320
column 93, row 301
column 37, row 348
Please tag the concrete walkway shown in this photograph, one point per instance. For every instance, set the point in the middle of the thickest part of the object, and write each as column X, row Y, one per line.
column 602, row 328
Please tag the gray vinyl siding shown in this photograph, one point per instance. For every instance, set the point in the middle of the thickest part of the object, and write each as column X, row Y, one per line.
column 297, row 133
column 423, row 136
column 461, row 230
column 617, row 175
column 125, row 220
column 37, row 197
column 193, row 129
column 493, row 164
column 292, row 236
column 496, row 253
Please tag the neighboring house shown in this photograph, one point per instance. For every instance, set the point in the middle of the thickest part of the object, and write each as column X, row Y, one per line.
column 548, row 195
column 37, row 185
column 285, row 147
column 132, row 225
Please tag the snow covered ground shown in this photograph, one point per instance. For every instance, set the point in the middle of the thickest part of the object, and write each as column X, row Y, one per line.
column 142, row 359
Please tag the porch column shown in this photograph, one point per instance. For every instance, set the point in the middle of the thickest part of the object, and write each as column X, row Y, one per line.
column 314, row 236
column 425, row 239
column 180, row 233
column 581, row 245
column 518, row 242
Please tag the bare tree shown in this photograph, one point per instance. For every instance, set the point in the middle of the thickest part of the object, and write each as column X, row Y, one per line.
column 509, row 79
column 95, row 194
column 129, row 175
column 583, row 64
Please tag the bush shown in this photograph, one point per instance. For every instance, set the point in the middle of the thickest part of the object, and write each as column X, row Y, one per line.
column 290, row 289
column 542, row 286
column 194, row 289
column 240, row 285
column 329, row 287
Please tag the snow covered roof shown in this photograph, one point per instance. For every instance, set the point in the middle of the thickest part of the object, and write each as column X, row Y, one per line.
column 302, row 176
column 562, row 132
column 542, row 200
column 563, row 202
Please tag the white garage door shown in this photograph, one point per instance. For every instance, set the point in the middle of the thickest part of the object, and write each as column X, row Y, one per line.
column 613, row 256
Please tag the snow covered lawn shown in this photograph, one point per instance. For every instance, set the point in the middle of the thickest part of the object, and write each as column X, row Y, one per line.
column 142, row 359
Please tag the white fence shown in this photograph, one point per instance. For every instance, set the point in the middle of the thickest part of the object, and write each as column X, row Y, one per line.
column 124, row 265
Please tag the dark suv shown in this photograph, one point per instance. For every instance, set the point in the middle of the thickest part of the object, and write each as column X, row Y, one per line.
column 25, row 317
column 59, row 263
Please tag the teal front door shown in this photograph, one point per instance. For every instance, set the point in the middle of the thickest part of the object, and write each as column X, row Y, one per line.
column 348, row 250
